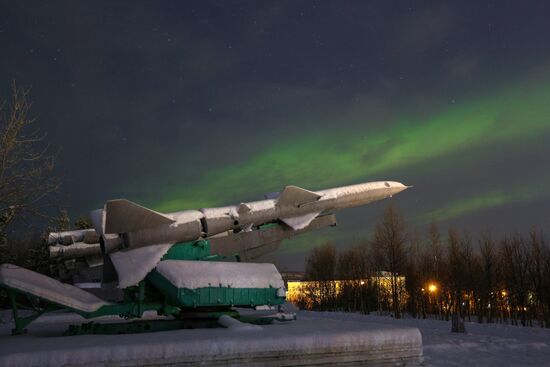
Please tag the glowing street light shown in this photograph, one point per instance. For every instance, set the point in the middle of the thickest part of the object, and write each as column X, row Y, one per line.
column 432, row 288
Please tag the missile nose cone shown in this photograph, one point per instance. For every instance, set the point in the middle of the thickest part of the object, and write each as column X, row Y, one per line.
column 397, row 187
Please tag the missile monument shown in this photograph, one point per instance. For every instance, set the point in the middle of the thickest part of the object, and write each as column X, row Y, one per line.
column 189, row 265
column 194, row 269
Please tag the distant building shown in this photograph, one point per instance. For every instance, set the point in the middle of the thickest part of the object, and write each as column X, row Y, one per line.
column 307, row 293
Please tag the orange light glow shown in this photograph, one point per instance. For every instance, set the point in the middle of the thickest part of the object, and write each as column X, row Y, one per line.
column 432, row 288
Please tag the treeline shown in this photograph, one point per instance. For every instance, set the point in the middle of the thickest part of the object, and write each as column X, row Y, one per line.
column 434, row 275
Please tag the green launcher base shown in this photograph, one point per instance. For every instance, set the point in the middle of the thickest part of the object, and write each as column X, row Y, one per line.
column 189, row 282
column 215, row 296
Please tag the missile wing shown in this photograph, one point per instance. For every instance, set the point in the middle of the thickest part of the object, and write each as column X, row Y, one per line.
column 296, row 196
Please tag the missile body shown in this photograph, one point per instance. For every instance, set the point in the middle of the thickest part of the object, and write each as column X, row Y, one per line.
column 124, row 224
column 297, row 207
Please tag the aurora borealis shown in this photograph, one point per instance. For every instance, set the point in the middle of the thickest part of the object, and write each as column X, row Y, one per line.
column 197, row 104
column 324, row 161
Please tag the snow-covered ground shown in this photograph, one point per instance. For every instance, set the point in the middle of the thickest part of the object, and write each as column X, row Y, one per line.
column 481, row 345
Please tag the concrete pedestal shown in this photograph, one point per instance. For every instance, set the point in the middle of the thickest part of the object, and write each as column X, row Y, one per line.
column 309, row 341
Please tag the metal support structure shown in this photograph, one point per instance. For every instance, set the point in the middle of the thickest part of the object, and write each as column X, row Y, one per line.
column 21, row 322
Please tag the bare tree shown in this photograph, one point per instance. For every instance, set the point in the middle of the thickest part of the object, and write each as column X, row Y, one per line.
column 514, row 268
column 27, row 178
column 414, row 277
column 27, row 182
column 321, row 272
column 546, row 285
column 472, row 269
column 537, row 253
column 389, row 247
column 437, row 268
column 489, row 289
column 354, row 277
column 436, row 251
column 455, row 274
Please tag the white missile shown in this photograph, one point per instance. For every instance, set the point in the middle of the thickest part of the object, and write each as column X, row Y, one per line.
column 124, row 224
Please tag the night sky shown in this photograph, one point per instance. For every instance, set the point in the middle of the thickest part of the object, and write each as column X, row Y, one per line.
column 182, row 105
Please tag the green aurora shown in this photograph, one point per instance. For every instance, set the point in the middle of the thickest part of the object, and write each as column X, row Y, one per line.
column 343, row 156
column 489, row 200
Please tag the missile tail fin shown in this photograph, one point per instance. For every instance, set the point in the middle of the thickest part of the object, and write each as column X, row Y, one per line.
column 123, row 216
column 296, row 196
column 301, row 222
